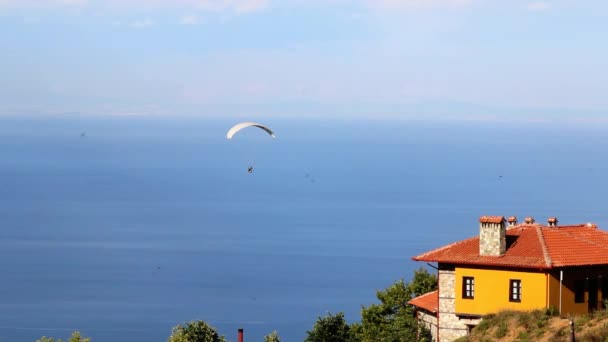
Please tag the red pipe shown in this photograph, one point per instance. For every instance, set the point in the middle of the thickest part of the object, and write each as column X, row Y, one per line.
column 240, row 336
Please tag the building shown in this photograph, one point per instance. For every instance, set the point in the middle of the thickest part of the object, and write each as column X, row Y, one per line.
column 515, row 266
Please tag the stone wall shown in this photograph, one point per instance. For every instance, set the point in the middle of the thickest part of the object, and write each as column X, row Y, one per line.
column 429, row 321
column 451, row 326
column 492, row 239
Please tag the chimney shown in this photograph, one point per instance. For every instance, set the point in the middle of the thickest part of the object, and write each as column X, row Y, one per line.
column 529, row 220
column 552, row 221
column 512, row 221
column 240, row 335
column 492, row 240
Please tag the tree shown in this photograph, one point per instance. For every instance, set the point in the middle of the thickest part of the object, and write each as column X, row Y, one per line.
column 423, row 282
column 355, row 332
column 331, row 328
column 393, row 319
column 76, row 337
column 195, row 331
column 272, row 337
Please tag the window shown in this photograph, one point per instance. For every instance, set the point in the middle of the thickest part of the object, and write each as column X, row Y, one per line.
column 468, row 287
column 514, row 290
column 579, row 291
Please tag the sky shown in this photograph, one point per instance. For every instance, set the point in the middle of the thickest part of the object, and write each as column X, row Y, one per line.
column 478, row 59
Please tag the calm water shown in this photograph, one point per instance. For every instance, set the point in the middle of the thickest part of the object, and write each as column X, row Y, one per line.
column 141, row 224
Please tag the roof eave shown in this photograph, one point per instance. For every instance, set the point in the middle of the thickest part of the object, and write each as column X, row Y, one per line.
column 458, row 262
column 579, row 265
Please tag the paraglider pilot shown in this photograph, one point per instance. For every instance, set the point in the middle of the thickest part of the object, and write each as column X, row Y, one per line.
column 236, row 128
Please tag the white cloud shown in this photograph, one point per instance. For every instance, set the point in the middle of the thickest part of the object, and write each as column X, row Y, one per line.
column 190, row 19
column 142, row 23
column 250, row 5
column 41, row 4
column 73, row 2
column 409, row 4
column 237, row 6
column 125, row 113
column 539, row 6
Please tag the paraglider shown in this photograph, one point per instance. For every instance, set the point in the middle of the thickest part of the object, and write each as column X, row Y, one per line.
column 238, row 127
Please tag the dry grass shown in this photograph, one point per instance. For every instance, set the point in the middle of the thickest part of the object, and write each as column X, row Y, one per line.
column 539, row 325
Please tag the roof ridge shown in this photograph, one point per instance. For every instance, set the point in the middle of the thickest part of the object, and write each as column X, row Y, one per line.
column 543, row 245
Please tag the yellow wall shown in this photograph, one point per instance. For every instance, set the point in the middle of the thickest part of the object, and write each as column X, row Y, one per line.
column 492, row 291
column 554, row 292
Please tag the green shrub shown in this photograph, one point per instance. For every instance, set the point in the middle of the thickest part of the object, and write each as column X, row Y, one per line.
column 523, row 336
column 561, row 332
column 506, row 314
column 76, row 337
column 490, row 316
column 329, row 328
column 541, row 322
column 195, row 331
column 501, row 330
column 561, row 335
column 581, row 321
column 552, row 311
column 602, row 313
column 524, row 320
column 598, row 335
column 272, row 337
column 485, row 323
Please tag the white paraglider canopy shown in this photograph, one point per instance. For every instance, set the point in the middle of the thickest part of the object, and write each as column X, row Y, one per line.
column 236, row 128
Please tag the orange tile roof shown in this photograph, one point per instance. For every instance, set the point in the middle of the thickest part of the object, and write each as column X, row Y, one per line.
column 532, row 246
column 491, row 219
column 428, row 301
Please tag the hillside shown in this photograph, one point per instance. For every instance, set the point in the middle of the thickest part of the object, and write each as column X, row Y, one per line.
column 539, row 325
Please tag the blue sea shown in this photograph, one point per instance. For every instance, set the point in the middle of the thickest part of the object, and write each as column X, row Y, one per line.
column 123, row 227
